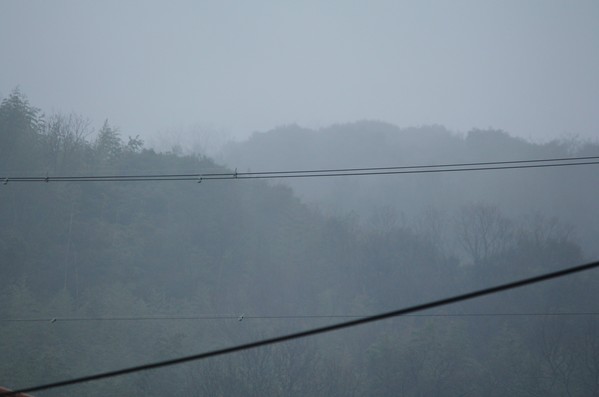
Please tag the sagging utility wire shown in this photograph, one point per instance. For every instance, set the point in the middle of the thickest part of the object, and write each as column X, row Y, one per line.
column 315, row 331
column 53, row 320
column 319, row 173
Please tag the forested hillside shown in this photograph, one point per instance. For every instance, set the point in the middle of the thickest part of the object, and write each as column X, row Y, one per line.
column 103, row 275
column 567, row 193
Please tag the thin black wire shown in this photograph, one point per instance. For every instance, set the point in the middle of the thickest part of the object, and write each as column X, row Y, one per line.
column 477, row 166
column 419, row 171
column 284, row 317
column 315, row 331
column 485, row 163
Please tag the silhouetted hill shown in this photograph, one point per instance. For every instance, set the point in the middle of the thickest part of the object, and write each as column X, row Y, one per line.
column 566, row 193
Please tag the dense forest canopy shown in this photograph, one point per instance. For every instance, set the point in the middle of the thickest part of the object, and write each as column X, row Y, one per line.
column 78, row 257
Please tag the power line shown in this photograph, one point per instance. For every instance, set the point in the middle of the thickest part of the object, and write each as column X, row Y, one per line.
column 422, row 166
column 316, row 331
column 280, row 317
column 408, row 169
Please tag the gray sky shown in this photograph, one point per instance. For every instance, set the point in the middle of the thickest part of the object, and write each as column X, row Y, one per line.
column 528, row 67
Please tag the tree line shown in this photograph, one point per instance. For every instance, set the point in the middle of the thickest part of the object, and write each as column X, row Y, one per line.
column 123, row 249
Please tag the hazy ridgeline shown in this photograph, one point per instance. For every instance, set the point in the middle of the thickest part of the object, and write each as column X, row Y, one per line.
column 566, row 193
column 324, row 246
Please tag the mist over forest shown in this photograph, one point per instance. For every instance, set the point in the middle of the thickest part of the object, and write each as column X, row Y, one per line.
column 102, row 275
column 566, row 195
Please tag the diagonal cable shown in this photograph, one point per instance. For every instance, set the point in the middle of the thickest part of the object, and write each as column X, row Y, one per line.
column 315, row 331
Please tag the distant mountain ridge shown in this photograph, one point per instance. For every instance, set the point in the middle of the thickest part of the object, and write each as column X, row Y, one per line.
column 561, row 192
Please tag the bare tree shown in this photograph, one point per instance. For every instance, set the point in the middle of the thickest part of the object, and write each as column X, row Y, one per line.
column 483, row 231
column 65, row 136
column 542, row 231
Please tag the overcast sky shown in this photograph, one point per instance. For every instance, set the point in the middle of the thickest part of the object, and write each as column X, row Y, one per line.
column 528, row 67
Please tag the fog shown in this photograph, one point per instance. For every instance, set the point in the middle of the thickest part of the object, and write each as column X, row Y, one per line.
column 131, row 231
column 565, row 193
column 525, row 67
